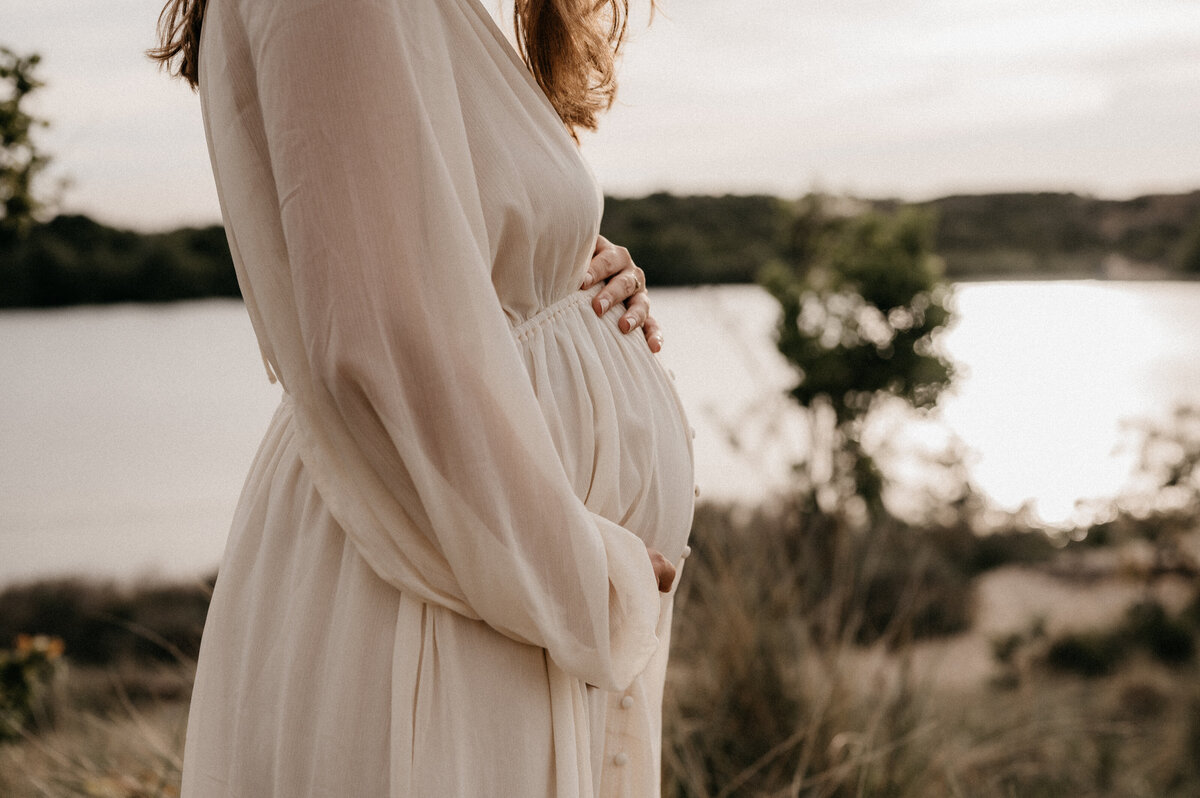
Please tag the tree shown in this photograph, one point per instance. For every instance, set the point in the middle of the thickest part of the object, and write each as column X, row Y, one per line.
column 861, row 298
column 20, row 160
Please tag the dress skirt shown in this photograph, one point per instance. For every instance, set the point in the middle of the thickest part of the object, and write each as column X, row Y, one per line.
column 347, row 667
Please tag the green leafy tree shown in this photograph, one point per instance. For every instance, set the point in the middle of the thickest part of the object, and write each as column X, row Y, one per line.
column 1162, row 503
column 861, row 297
column 20, row 160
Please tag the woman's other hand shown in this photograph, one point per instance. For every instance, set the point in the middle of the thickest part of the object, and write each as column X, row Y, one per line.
column 664, row 571
column 626, row 283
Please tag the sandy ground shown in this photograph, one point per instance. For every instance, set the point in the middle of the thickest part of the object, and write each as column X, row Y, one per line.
column 1092, row 592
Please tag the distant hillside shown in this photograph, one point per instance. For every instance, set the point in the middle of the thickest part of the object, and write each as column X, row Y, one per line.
column 678, row 240
column 699, row 239
column 1026, row 235
column 72, row 260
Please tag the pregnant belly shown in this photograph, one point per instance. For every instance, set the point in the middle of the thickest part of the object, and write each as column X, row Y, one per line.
column 615, row 418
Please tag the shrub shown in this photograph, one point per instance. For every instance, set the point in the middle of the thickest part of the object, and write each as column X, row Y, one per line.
column 102, row 623
column 1146, row 627
column 1086, row 654
column 1169, row 640
column 26, row 673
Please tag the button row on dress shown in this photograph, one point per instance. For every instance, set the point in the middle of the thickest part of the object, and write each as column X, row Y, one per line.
column 627, row 702
column 621, row 759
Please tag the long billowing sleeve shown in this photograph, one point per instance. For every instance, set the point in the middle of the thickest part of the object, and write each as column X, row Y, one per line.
column 420, row 424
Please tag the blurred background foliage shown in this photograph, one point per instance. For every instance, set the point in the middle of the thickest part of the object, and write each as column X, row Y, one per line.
column 678, row 240
column 73, row 260
column 21, row 162
column 861, row 297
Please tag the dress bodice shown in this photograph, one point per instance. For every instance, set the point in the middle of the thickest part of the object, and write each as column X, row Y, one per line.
column 540, row 202
column 613, row 412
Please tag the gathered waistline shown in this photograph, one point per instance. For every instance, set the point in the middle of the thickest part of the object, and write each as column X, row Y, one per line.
column 550, row 312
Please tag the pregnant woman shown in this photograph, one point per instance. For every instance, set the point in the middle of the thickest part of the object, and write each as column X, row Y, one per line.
column 443, row 576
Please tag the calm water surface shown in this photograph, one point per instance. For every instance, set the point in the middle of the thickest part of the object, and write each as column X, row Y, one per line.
column 126, row 431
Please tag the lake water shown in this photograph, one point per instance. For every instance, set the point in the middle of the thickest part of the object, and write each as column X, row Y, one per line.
column 126, row 431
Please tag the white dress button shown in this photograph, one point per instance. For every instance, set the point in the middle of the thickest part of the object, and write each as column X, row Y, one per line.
column 627, row 702
column 621, row 759
column 687, row 552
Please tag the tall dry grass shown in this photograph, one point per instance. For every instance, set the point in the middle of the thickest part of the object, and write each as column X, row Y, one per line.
column 110, row 721
column 798, row 669
column 763, row 700
column 116, row 733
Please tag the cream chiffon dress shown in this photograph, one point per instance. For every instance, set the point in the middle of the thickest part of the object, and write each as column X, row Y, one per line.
column 436, row 583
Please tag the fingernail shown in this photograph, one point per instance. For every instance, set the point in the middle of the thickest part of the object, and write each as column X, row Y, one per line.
column 628, row 321
column 587, row 279
column 604, row 305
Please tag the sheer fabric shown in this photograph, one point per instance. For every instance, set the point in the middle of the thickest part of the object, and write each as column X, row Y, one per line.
column 436, row 583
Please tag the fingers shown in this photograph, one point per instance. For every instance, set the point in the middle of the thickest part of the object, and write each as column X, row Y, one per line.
column 637, row 310
column 664, row 571
column 628, row 282
column 606, row 261
column 613, row 265
column 654, row 336
column 624, row 282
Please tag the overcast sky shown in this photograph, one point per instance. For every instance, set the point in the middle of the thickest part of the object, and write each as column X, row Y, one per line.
column 909, row 98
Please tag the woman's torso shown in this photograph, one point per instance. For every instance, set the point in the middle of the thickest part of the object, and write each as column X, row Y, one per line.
column 612, row 411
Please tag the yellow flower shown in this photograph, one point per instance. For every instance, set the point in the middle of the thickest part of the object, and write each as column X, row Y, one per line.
column 50, row 647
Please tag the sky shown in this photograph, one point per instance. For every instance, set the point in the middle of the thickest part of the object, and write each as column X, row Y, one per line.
column 878, row 98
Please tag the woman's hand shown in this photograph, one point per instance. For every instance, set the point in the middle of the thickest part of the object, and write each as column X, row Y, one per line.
column 664, row 571
column 625, row 282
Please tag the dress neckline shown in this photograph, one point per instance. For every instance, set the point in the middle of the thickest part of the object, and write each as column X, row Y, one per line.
column 489, row 23
column 502, row 41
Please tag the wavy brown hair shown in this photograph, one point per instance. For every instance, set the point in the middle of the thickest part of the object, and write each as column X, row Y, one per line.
column 178, row 48
column 570, row 46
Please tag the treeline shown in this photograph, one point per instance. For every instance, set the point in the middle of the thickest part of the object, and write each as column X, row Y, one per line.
column 73, row 260
column 700, row 239
column 678, row 240
column 106, row 623
column 1029, row 235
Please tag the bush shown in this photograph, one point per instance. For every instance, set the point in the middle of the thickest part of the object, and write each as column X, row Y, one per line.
column 101, row 623
column 26, row 673
column 1086, row 654
column 1146, row 627
column 1169, row 640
